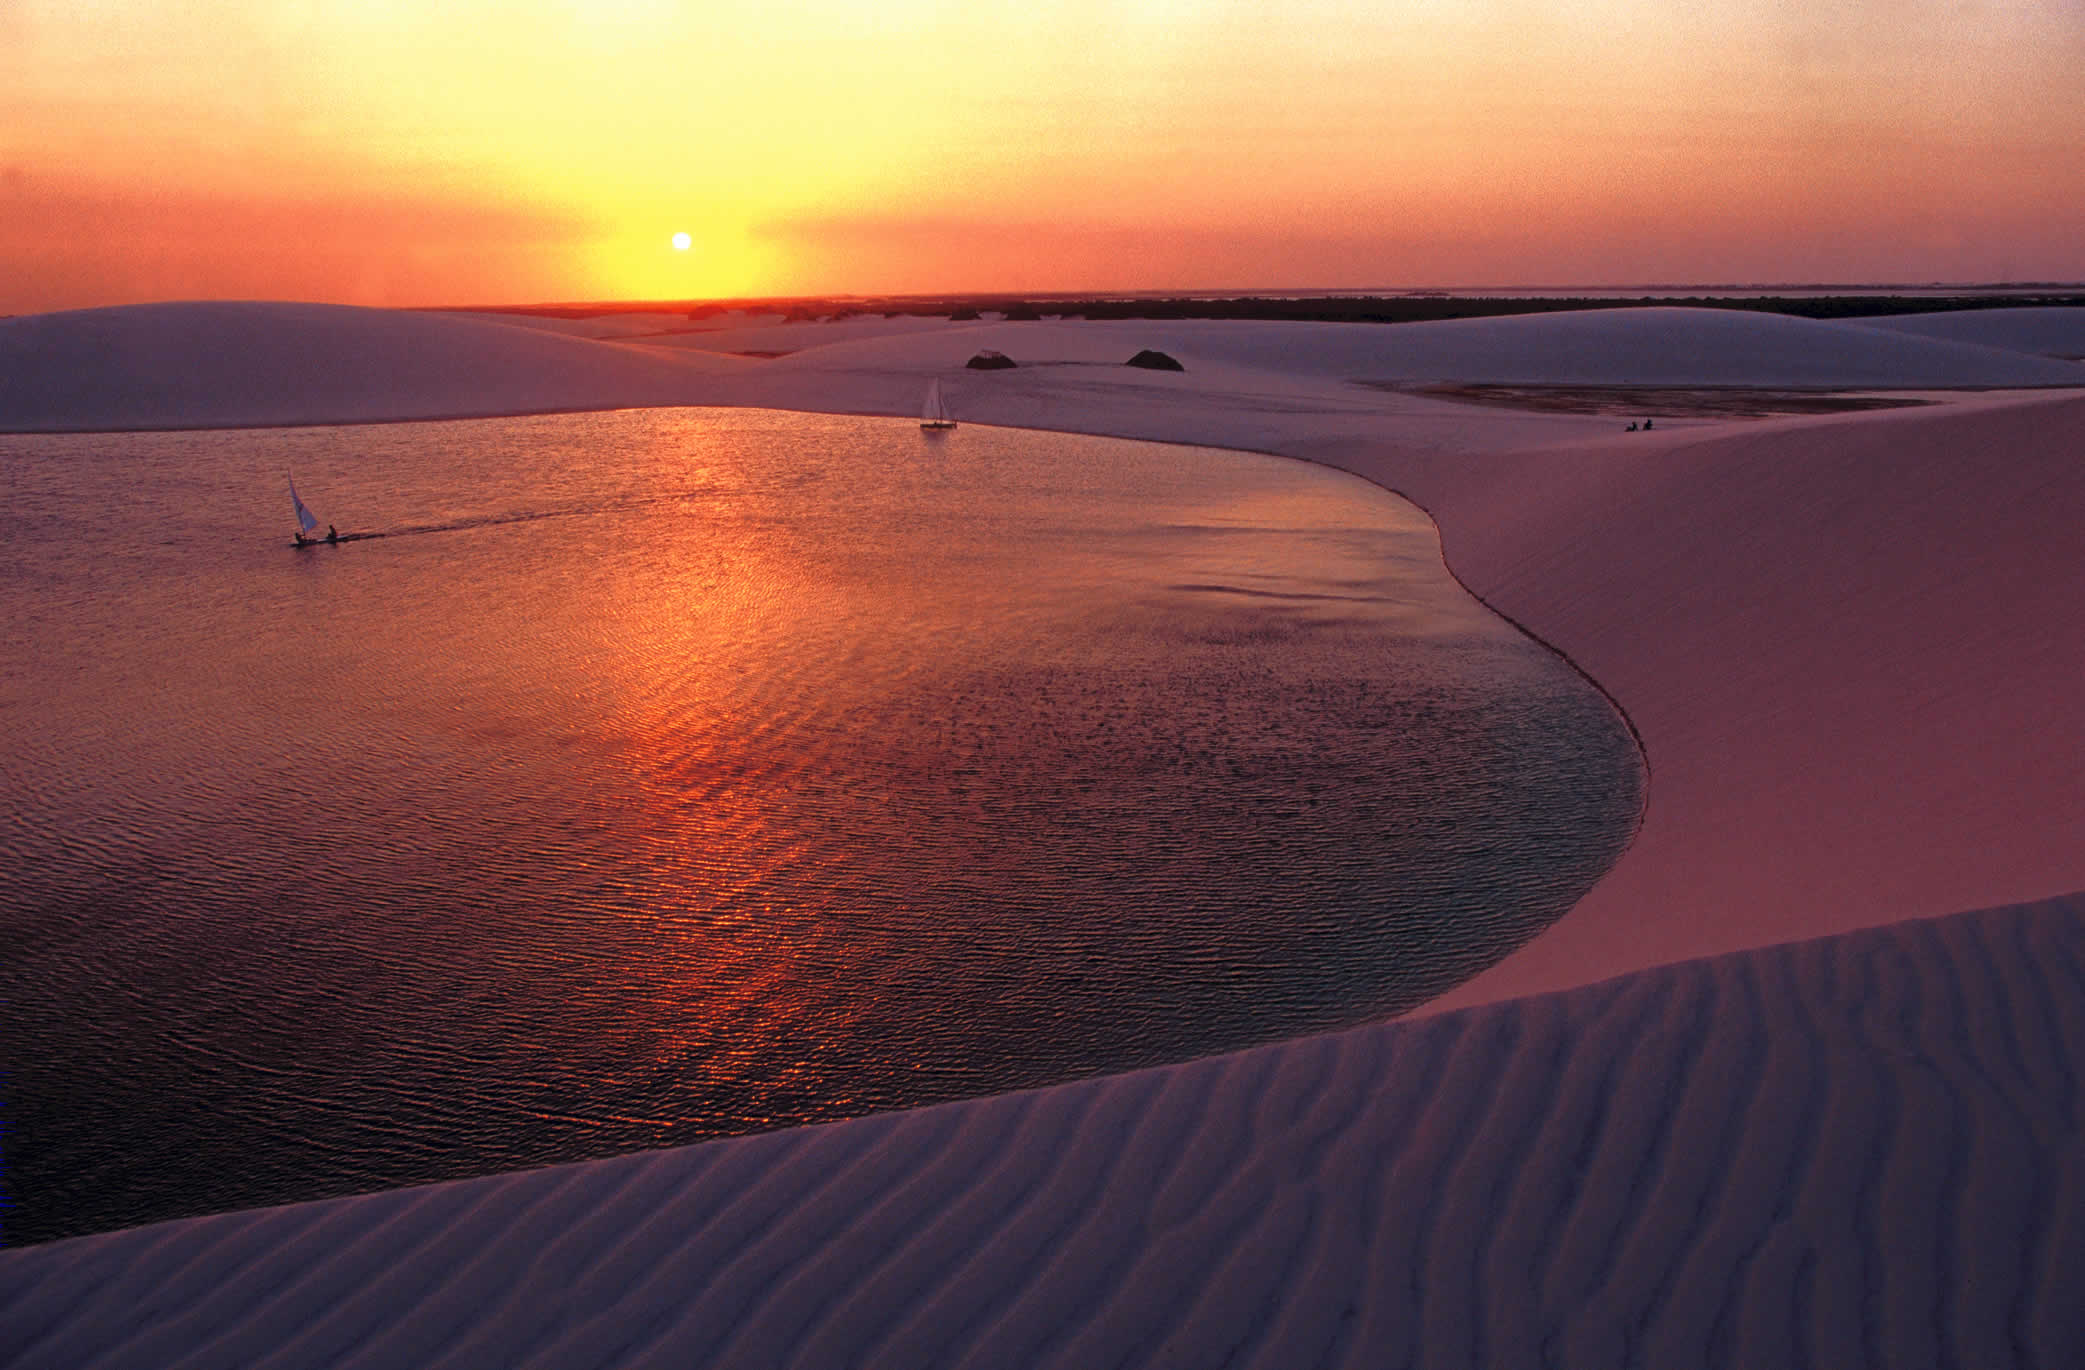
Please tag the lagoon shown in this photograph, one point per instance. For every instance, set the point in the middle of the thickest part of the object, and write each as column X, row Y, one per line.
column 662, row 775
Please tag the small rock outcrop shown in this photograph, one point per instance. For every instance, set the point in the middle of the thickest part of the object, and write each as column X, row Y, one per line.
column 990, row 361
column 1154, row 361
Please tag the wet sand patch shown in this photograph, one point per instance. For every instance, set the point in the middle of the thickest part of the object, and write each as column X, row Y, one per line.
column 1658, row 401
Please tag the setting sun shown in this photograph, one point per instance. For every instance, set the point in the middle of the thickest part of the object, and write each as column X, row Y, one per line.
column 422, row 154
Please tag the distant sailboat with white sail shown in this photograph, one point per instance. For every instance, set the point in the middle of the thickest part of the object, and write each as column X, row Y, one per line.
column 934, row 414
column 307, row 521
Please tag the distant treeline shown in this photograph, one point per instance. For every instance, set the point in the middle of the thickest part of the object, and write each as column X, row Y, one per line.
column 1413, row 308
column 1409, row 309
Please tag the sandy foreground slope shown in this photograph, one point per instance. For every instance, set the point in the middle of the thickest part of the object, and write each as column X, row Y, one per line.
column 1861, row 1151
column 1850, row 646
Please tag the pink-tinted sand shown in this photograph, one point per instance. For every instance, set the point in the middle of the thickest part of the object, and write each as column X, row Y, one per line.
column 1862, row 1151
column 1852, row 646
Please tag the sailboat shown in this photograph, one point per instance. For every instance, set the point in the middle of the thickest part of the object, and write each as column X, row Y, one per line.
column 307, row 522
column 934, row 415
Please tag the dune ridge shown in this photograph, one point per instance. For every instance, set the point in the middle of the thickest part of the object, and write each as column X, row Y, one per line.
column 2041, row 330
column 253, row 364
column 1651, row 345
column 242, row 364
column 1842, row 642
column 1860, row 1150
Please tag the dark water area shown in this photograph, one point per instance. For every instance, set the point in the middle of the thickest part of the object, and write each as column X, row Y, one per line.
column 673, row 774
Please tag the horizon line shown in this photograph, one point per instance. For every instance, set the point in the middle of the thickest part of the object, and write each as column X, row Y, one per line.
column 1276, row 292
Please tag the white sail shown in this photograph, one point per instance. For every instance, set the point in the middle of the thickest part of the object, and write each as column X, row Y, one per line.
column 306, row 520
column 934, row 413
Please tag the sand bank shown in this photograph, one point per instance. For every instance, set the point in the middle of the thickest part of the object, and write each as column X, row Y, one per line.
column 1848, row 644
column 234, row 364
column 244, row 365
column 1665, row 345
column 1843, row 643
column 1859, row 1151
column 2046, row 331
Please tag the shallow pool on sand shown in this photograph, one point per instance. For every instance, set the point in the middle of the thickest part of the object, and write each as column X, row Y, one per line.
column 668, row 774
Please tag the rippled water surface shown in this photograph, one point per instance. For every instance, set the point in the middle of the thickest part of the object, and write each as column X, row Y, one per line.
column 670, row 774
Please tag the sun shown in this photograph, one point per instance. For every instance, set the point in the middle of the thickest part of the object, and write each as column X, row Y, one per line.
column 647, row 262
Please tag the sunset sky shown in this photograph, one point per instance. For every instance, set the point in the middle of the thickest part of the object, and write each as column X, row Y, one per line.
column 473, row 151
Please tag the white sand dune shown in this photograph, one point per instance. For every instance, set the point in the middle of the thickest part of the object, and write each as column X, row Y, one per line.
column 773, row 334
column 227, row 364
column 1634, row 346
column 2046, row 331
column 632, row 324
column 239, row 364
column 1850, row 646
column 1861, row 1151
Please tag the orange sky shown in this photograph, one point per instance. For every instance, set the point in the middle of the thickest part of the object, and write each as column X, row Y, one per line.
column 467, row 151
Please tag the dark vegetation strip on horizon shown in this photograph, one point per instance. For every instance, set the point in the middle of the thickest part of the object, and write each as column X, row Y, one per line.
column 1417, row 307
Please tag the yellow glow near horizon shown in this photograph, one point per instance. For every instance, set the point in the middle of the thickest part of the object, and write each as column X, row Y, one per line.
column 720, row 261
column 528, row 149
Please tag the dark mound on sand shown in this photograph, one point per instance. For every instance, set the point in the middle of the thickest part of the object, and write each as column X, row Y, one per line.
column 1154, row 361
column 990, row 361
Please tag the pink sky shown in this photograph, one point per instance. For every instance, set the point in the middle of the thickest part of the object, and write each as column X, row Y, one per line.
column 391, row 153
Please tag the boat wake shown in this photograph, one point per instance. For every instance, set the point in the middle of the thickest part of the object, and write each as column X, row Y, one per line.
column 499, row 520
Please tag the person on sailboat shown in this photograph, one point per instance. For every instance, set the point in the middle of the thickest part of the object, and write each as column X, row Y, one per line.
column 331, row 535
